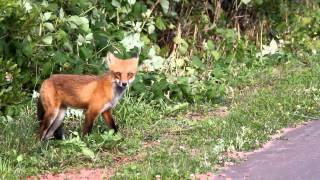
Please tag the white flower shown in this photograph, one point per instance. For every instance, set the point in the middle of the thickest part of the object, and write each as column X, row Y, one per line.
column 9, row 77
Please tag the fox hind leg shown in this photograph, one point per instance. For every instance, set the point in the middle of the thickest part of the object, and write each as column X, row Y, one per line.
column 56, row 128
column 48, row 119
column 59, row 133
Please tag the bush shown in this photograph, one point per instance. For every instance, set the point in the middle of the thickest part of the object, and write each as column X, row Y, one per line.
column 188, row 49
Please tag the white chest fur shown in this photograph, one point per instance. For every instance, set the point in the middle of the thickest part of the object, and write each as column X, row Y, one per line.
column 118, row 93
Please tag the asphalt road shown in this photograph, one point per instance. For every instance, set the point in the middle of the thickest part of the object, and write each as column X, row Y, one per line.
column 294, row 156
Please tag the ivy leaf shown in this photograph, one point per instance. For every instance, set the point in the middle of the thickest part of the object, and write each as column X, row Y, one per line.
column 47, row 40
column 165, row 5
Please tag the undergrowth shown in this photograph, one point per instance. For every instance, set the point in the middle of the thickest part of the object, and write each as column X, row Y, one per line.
column 161, row 138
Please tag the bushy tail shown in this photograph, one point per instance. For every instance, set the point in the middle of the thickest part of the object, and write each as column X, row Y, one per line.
column 40, row 109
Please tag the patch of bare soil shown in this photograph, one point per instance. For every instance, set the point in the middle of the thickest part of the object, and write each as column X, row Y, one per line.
column 83, row 174
column 150, row 144
column 218, row 112
column 88, row 174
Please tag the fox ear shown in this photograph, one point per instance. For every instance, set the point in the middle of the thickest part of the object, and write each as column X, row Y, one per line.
column 136, row 58
column 110, row 58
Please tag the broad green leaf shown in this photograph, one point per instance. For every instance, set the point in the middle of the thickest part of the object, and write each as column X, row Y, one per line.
column 49, row 26
column 306, row 20
column 87, row 152
column 60, row 57
column 80, row 40
column 20, row 158
column 151, row 28
column 131, row 2
column 147, row 13
column 27, row 6
column 61, row 35
column 89, row 37
column 210, row 45
column 271, row 49
column 47, row 40
column 47, row 68
column 85, row 52
column 180, row 62
column 46, row 16
column 183, row 49
column 67, row 45
column 165, row 5
column 160, row 23
column 131, row 41
column 178, row 106
column 258, row 2
column 154, row 61
column 197, row 62
column 245, row 1
column 115, row 3
column 61, row 13
column 27, row 50
column 215, row 54
column 81, row 22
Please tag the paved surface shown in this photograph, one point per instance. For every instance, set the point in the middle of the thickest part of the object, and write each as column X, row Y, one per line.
column 295, row 156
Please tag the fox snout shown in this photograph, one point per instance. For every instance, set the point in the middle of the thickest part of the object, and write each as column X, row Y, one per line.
column 122, row 83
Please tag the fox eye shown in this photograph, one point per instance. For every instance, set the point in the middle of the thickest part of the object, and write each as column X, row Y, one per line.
column 117, row 74
column 130, row 75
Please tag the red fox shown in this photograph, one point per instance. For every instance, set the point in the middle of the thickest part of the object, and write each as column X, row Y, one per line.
column 95, row 94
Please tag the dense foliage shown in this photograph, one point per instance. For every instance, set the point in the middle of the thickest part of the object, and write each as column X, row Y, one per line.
column 188, row 48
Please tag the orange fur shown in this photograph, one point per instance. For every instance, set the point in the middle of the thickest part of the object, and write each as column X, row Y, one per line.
column 96, row 94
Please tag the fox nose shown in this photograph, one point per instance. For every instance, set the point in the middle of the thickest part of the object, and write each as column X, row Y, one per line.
column 124, row 84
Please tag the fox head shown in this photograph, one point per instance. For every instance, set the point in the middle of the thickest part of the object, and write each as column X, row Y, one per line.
column 123, row 70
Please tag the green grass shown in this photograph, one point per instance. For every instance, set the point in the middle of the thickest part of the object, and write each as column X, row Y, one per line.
column 177, row 146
